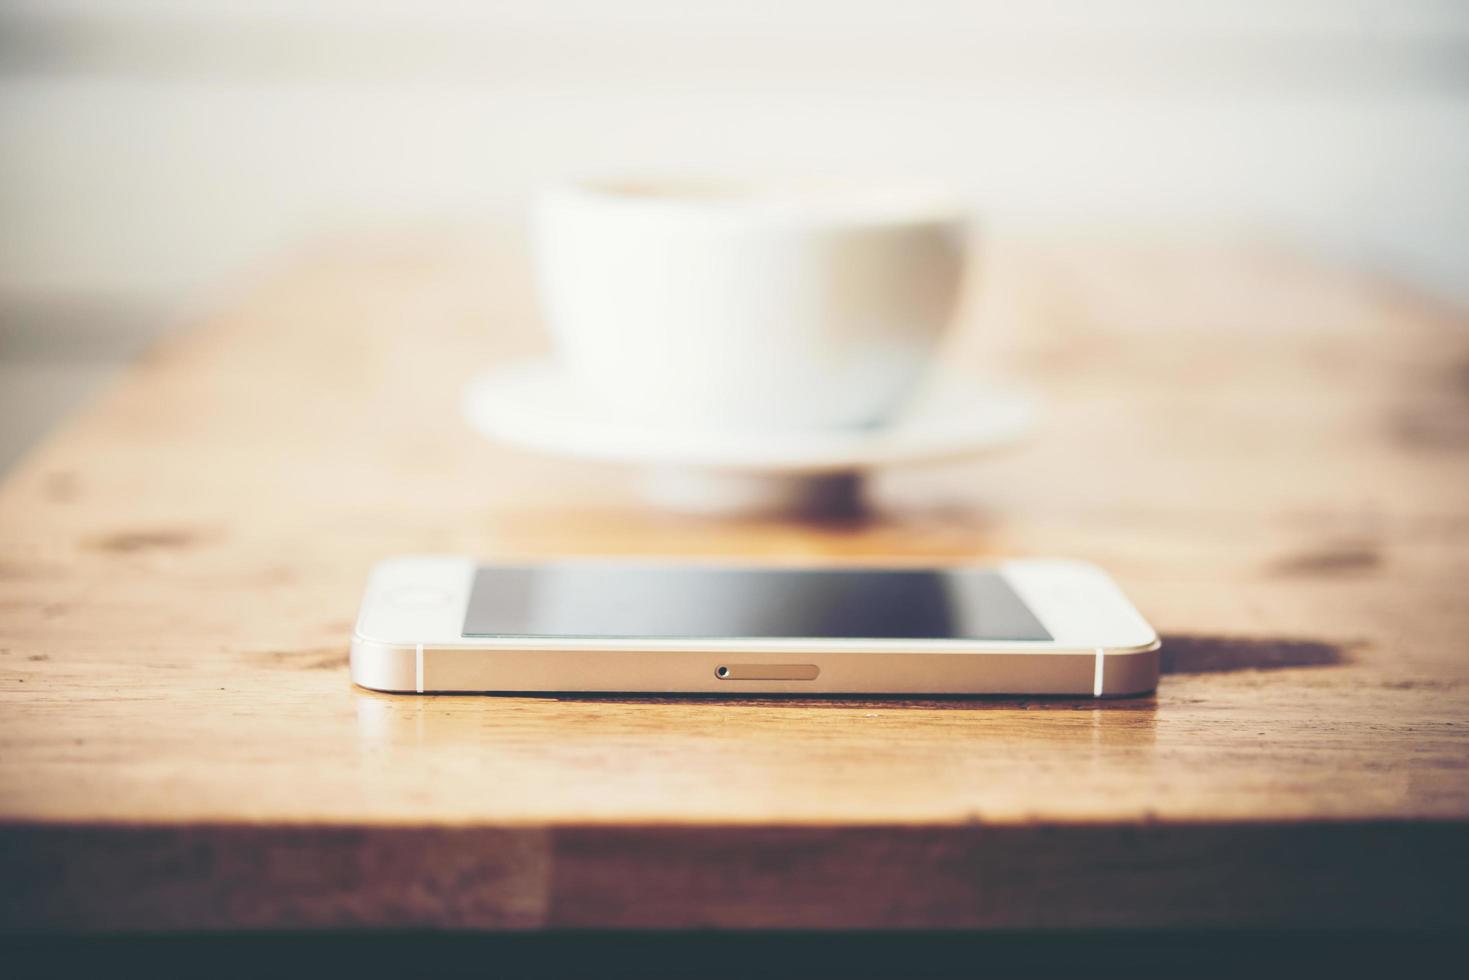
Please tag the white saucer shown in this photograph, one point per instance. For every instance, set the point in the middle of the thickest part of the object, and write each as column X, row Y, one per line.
column 535, row 406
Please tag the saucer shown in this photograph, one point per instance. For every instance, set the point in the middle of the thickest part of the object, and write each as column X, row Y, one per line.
column 535, row 405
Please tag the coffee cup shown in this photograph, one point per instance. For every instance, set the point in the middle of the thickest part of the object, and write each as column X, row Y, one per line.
column 748, row 306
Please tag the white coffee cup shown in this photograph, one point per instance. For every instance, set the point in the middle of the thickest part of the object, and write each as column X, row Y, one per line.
column 748, row 306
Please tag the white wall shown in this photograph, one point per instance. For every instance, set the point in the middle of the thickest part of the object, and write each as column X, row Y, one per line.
column 149, row 149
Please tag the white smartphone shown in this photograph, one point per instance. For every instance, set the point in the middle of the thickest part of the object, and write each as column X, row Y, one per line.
column 446, row 624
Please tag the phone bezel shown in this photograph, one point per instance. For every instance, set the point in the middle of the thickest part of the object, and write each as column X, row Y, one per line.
column 1079, row 605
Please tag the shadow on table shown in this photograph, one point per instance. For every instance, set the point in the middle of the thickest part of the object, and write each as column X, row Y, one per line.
column 1190, row 653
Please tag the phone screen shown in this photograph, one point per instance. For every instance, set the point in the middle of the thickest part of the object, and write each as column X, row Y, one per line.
column 691, row 602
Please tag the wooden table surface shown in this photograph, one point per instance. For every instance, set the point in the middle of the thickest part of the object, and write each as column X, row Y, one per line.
column 1271, row 456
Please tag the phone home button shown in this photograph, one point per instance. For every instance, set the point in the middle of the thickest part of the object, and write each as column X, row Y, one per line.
column 418, row 597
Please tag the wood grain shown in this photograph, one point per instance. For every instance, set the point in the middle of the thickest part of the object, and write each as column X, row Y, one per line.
column 1271, row 457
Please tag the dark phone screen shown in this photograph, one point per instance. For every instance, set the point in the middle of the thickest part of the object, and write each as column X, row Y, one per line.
column 596, row 600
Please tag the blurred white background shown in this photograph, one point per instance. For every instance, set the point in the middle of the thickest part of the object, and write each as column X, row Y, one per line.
column 151, row 150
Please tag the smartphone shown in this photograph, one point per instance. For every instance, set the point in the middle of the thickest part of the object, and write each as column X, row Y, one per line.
column 449, row 624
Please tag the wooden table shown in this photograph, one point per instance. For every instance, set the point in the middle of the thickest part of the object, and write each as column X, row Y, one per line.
column 1272, row 457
